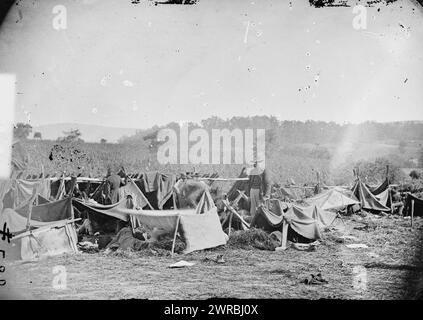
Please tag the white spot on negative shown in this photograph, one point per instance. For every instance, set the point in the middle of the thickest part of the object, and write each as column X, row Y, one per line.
column 128, row 83
column 103, row 82
column 246, row 32
column 134, row 106
column 359, row 278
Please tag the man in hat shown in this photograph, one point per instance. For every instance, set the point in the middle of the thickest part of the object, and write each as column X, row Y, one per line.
column 259, row 187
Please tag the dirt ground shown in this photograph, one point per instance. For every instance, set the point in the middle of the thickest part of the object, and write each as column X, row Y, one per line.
column 390, row 268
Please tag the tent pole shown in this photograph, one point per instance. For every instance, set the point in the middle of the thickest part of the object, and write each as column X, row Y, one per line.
column 230, row 223
column 174, row 200
column 391, row 200
column 73, row 185
column 174, row 236
column 284, row 234
column 31, row 200
column 412, row 212
column 62, row 187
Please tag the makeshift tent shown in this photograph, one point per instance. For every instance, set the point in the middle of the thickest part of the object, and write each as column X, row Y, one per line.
column 331, row 199
column 385, row 197
column 418, row 205
column 188, row 193
column 157, row 187
column 379, row 189
column 206, row 203
column 324, row 218
column 138, row 198
column 43, row 238
column 199, row 231
column 42, row 200
column 200, row 227
column 48, row 212
column 111, row 210
column 24, row 190
column 305, row 221
column 15, row 193
column 367, row 200
column 64, row 184
column 383, row 193
column 105, row 218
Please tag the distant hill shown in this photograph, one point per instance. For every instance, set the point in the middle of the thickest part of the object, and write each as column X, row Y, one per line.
column 90, row 133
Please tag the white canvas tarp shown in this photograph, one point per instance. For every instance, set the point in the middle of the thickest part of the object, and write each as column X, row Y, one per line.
column 46, row 239
column 331, row 199
column 200, row 231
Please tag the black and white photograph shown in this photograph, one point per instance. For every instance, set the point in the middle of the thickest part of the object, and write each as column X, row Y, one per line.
column 227, row 153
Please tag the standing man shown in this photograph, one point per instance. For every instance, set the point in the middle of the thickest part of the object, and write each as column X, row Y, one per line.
column 115, row 181
column 259, row 187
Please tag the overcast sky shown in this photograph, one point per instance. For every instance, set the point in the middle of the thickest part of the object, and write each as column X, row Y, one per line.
column 135, row 65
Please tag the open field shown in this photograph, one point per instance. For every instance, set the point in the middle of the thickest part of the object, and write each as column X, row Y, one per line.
column 391, row 268
column 297, row 161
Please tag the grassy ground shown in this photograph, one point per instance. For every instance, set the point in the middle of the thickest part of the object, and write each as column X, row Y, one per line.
column 390, row 268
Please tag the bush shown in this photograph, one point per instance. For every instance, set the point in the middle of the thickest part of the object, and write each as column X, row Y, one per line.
column 414, row 174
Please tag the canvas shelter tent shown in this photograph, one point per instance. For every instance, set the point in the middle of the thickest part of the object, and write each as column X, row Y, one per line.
column 157, row 187
column 40, row 230
column 367, row 200
column 49, row 212
column 200, row 227
column 41, row 240
column 418, row 205
column 199, row 231
column 16, row 192
column 306, row 222
column 64, row 185
column 105, row 218
column 385, row 197
column 331, row 199
column 380, row 188
column 383, row 193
